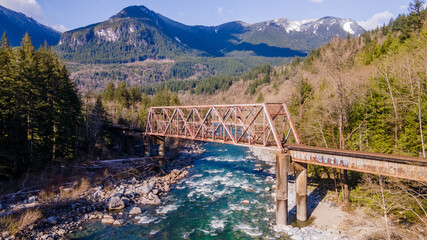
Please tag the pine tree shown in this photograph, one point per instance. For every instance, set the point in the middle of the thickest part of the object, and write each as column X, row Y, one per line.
column 109, row 91
column 98, row 128
column 11, row 142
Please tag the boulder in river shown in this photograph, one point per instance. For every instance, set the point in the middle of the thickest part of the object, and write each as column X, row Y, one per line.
column 146, row 188
column 246, row 202
column 115, row 203
column 118, row 222
column 154, row 198
column 107, row 219
column 135, row 211
column 250, row 190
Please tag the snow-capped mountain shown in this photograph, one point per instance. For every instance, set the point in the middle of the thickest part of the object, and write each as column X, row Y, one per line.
column 149, row 34
column 301, row 35
column 16, row 24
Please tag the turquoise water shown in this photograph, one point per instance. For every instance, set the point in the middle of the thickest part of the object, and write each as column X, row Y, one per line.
column 206, row 205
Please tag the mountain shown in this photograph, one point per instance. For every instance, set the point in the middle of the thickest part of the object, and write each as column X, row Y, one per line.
column 137, row 33
column 16, row 24
column 301, row 35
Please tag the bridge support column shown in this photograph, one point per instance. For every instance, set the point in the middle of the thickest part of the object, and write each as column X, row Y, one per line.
column 162, row 148
column 283, row 162
column 346, row 193
column 301, row 190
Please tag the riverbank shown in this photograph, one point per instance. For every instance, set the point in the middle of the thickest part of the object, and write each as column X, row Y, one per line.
column 110, row 195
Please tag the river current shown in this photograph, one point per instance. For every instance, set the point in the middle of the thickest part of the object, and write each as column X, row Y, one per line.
column 206, row 205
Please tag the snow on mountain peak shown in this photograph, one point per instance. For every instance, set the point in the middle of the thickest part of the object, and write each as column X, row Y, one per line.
column 347, row 27
column 291, row 25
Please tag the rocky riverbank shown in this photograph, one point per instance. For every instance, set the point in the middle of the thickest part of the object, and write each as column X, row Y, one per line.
column 114, row 200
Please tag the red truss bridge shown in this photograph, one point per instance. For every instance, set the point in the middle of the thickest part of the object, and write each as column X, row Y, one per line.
column 270, row 126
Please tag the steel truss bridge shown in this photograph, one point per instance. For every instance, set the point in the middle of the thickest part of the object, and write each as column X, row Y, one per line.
column 270, row 126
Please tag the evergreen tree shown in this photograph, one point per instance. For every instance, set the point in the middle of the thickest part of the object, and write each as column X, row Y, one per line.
column 12, row 135
column 109, row 91
column 99, row 125
column 416, row 15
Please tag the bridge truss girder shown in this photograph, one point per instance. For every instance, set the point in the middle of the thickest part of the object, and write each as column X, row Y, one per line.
column 266, row 125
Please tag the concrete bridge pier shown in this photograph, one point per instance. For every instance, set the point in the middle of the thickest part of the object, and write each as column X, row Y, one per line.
column 162, row 147
column 301, row 190
column 283, row 162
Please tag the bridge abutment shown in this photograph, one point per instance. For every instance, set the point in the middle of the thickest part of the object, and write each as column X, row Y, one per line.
column 283, row 162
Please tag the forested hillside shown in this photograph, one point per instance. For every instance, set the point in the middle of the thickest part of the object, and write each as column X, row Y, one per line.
column 368, row 93
column 149, row 73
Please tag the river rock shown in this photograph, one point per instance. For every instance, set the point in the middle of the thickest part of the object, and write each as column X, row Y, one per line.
column 115, row 203
column 166, row 188
column 246, row 202
column 118, row 222
column 175, row 172
column 147, row 187
column 267, row 189
column 95, row 215
column 107, row 220
column 250, row 190
column 135, row 211
column 129, row 194
column 154, row 198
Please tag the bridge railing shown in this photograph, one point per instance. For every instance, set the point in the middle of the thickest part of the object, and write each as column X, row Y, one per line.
column 264, row 125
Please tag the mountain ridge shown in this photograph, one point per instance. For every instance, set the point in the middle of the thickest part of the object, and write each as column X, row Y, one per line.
column 16, row 24
column 162, row 37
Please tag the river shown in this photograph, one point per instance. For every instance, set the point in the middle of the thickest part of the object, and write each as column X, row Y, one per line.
column 206, row 205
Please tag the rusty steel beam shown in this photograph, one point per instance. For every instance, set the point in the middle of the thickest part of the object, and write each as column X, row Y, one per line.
column 405, row 167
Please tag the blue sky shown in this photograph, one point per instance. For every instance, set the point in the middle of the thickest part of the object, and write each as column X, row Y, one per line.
column 70, row 14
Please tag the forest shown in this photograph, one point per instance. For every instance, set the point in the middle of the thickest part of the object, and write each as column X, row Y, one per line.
column 39, row 109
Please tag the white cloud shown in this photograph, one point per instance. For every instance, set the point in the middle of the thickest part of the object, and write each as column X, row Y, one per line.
column 59, row 28
column 316, row 1
column 220, row 10
column 377, row 20
column 29, row 7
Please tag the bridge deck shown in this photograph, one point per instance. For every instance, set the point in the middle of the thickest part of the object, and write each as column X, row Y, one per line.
column 407, row 167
